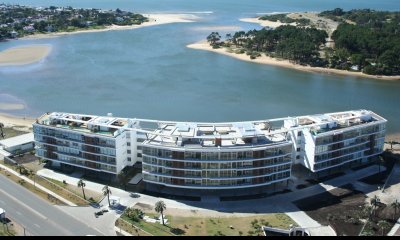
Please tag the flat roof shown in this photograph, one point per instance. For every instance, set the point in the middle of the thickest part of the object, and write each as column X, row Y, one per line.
column 174, row 132
column 18, row 140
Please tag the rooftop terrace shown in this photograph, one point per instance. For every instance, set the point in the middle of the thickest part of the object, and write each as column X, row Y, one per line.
column 192, row 134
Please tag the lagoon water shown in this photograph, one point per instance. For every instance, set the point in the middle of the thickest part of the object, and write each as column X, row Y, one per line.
column 149, row 72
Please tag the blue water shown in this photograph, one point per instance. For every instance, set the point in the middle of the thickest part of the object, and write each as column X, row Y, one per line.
column 149, row 72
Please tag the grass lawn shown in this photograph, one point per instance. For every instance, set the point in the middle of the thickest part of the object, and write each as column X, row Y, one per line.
column 202, row 226
column 11, row 132
column 49, row 185
column 4, row 232
column 31, row 188
column 78, row 191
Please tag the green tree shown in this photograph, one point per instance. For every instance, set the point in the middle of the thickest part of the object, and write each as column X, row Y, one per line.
column 159, row 208
column 107, row 192
column 82, row 185
column 383, row 225
column 375, row 203
column 20, row 168
column 367, row 212
column 213, row 38
column 33, row 175
column 395, row 205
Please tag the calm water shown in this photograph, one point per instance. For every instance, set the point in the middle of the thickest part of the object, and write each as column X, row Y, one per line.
column 149, row 73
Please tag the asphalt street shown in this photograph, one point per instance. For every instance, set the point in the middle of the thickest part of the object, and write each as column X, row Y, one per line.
column 37, row 216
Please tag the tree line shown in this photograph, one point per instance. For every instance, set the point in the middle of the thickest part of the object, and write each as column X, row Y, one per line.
column 365, row 40
column 15, row 19
column 297, row 44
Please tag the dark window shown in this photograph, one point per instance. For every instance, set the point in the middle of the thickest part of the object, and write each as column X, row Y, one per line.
column 298, row 149
column 129, row 159
column 128, row 143
column 299, row 133
column 129, row 151
column 139, row 155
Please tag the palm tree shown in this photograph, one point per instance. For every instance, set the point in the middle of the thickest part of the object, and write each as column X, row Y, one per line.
column 367, row 211
column 374, row 202
column 107, row 192
column 395, row 205
column 160, row 207
column 383, row 225
column 20, row 168
column 82, row 185
column 32, row 173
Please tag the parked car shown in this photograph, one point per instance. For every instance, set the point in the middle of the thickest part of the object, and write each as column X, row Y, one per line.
column 134, row 195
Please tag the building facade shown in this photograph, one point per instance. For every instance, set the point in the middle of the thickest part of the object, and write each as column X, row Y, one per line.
column 210, row 155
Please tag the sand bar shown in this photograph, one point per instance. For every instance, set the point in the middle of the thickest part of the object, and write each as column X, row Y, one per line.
column 11, row 106
column 203, row 45
column 24, row 55
column 154, row 19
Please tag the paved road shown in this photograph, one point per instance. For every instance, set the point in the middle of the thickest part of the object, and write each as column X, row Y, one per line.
column 38, row 216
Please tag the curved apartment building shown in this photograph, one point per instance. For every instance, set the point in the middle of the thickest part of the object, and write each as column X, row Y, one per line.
column 216, row 156
column 210, row 156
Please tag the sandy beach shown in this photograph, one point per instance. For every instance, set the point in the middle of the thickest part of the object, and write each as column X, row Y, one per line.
column 24, row 55
column 14, row 121
column 154, row 19
column 265, row 23
column 203, row 45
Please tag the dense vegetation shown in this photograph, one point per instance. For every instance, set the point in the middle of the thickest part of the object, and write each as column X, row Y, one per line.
column 283, row 18
column 365, row 40
column 296, row 44
column 18, row 21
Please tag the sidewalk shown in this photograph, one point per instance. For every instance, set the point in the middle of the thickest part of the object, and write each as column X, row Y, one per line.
column 26, row 179
column 125, row 196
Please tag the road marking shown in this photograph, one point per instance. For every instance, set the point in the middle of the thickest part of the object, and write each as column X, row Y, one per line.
column 36, row 225
column 23, row 204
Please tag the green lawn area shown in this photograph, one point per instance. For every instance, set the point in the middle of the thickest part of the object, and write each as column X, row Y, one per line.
column 31, row 188
column 77, row 190
column 4, row 232
column 56, row 188
column 11, row 132
column 202, row 226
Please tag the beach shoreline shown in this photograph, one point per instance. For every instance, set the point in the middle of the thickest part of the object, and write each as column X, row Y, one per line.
column 204, row 45
column 154, row 19
column 10, row 121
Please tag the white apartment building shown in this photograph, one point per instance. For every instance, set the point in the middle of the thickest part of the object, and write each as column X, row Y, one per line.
column 210, row 155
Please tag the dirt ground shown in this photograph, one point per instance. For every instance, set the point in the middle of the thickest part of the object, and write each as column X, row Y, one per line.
column 341, row 204
column 342, row 208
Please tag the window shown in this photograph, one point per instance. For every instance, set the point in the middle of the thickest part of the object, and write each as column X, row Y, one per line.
column 139, row 155
column 299, row 133
column 128, row 143
column 298, row 157
column 129, row 159
column 298, row 149
column 129, row 151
